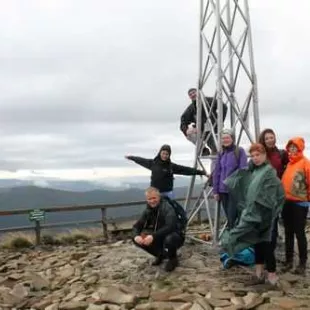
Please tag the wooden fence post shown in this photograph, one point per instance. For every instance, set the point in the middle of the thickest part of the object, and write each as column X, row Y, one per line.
column 38, row 232
column 104, row 223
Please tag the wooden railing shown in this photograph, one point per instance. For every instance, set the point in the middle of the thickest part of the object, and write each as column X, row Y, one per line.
column 38, row 226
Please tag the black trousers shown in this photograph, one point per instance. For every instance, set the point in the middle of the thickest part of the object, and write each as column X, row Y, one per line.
column 274, row 234
column 166, row 247
column 264, row 255
column 230, row 209
column 294, row 220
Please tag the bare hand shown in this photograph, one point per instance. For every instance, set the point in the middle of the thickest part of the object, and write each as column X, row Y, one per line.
column 127, row 156
column 139, row 240
column 148, row 240
column 216, row 197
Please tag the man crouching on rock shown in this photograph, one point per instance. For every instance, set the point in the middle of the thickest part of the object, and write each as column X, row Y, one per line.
column 159, row 231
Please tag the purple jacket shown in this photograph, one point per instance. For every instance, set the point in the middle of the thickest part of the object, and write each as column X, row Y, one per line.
column 226, row 163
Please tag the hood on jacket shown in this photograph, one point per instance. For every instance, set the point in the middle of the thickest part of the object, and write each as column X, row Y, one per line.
column 165, row 147
column 298, row 141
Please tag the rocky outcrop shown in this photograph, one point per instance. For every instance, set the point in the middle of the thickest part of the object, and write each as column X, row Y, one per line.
column 119, row 276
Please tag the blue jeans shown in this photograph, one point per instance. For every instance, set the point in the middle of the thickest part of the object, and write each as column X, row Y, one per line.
column 168, row 194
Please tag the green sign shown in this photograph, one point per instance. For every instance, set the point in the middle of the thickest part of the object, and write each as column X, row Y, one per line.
column 37, row 215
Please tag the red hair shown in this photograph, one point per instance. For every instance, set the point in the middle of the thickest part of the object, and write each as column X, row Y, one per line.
column 257, row 147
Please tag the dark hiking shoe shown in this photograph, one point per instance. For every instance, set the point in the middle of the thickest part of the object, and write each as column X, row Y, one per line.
column 287, row 266
column 300, row 270
column 171, row 264
column 158, row 260
column 254, row 280
column 206, row 152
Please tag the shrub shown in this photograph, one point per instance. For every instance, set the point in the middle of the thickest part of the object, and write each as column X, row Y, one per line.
column 20, row 243
column 49, row 240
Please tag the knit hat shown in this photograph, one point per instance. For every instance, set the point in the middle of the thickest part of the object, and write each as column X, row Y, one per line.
column 227, row 131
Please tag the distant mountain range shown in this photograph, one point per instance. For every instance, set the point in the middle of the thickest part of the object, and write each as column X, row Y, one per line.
column 82, row 186
column 33, row 197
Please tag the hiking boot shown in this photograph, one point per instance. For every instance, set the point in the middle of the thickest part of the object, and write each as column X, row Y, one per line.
column 300, row 270
column 287, row 266
column 171, row 264
column 158, row 260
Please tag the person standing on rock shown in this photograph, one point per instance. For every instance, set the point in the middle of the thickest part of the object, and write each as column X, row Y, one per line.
column 278, row 159
column 159, row 230
column 296, row 182
column 260, row 195
column 163, row 170
column 232, row 158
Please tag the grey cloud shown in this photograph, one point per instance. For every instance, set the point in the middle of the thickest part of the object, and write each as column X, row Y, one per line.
column 82, row 83
column 87, row 147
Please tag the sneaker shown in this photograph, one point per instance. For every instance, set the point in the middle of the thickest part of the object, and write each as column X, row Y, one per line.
column 171, row 264
column 287, row 266
column 272, row 285
column 273, row 281
column 158, row 260
column 300, row 270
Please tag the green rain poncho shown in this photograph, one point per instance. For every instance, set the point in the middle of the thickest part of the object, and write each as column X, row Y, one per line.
column 260, row 196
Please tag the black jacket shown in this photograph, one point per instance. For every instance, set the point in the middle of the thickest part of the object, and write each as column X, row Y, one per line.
column 159, row 221
column 190, row 114
column 163, row 171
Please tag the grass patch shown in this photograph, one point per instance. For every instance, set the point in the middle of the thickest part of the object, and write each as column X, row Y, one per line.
column 17, row 240
column 77, row 235
column 50, row 240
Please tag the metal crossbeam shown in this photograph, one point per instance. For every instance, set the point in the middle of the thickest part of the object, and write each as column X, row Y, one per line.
column 226, row 72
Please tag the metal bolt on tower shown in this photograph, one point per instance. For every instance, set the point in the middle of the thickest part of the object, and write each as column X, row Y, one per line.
column 226, row 72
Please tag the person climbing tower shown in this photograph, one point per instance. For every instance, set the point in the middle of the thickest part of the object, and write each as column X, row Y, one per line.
column 189, row 122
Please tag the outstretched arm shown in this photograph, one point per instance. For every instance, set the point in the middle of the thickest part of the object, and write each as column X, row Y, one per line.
column 184, row 170
column 144, row 162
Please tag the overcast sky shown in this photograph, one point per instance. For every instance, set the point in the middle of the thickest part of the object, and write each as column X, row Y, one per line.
column 83, row 83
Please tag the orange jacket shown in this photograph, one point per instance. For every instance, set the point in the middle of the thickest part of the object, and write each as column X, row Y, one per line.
column 296, row 177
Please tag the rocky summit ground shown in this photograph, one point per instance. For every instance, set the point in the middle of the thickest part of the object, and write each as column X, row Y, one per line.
column 119, row 276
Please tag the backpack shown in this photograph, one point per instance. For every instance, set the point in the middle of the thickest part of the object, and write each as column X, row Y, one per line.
column 179, row 211
column 245, row 257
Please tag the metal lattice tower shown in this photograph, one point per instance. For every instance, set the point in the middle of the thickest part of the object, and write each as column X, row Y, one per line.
column 227, row 73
